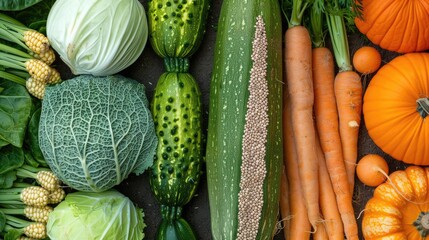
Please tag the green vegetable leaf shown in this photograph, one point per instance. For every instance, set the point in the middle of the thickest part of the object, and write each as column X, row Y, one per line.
column 35, row 16
column 13, row 234
column 93, row 143
column 2, row 221
column 16, row 5
column 15, row 109
column 29, row 159
column 7, row 179
column 11, row 158
column 32, row 137
column 3, row 143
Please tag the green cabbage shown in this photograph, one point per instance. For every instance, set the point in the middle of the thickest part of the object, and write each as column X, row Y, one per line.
column 98, row 37
column 95, row 131
column 108, row 215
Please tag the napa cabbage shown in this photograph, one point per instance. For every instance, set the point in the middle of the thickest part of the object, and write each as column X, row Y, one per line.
column 95, row 131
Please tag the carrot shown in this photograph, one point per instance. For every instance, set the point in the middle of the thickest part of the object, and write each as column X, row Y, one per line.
column 372, row 170
column 348, row 93
column 367, row 60
column 348, row 96
column 299, row 80
column 320, row 233
column 328, row 202
column 328, row 141
column 284, row 202
column 300, row 228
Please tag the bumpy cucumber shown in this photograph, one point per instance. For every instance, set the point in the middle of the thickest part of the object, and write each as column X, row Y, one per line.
column 176, row 27
column 176, row 170
column 243, row 156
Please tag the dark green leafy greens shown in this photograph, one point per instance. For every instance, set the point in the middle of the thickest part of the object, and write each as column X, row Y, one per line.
column 16, row 5
column 33, row 14
column 95, row 131
column 11, row 158
column 15, row 109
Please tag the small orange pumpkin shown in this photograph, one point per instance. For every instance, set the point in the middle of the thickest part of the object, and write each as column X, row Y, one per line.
column 396, row 25
column 395, row 107
column 399, row 208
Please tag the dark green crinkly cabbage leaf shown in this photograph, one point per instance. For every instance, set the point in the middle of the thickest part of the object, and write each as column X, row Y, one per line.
column 95, row 131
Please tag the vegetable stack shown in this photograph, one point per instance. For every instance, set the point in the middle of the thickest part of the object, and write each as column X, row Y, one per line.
column 176, row 29
column 25, row 203
column 26, row 57
column 244, row 146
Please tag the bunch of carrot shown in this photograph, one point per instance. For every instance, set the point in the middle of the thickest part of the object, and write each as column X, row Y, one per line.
column 321, row 122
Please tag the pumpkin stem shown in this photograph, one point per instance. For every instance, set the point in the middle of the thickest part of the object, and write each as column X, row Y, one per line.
column 423, row 106
column 422, row 224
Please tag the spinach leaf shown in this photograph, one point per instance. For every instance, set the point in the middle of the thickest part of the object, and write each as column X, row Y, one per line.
column 13, row 234
column 32, row 137
column 15, row 110
column 35, row 16
column 7, row 179
column 16, row 5
column 2, row 221
column 11, row 158
column 29, row 159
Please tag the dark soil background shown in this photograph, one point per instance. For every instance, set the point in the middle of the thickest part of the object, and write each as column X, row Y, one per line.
column 147, row 70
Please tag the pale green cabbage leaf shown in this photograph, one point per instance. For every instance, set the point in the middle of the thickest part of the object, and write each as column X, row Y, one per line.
column 98, row 37
column 95, row 131
column 108, row 215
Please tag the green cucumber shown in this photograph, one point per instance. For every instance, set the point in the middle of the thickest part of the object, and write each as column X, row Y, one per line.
column 236, row 138
column 176, row 27
column 177, row 166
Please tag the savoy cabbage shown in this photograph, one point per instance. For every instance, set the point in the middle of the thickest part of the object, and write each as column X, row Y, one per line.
column 95, row 131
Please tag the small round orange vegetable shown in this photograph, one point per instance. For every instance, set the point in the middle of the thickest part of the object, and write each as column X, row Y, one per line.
column 372, row 170
column 399, row 208
column 367, row 60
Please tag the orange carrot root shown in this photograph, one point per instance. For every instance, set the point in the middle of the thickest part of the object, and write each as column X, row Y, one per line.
column 299, row 224
column 348, row 92
column 298, row 65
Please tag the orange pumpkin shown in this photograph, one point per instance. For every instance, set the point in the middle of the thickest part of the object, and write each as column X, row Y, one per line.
column 396, row 25
column 395, row 106
column 399, row 208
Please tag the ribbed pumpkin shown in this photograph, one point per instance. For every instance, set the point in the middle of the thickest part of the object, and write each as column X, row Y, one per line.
column 395, row 107
column 399, row 208
column 396, row 25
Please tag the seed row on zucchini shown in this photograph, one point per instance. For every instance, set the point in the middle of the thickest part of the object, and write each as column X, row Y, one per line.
column 244, row 155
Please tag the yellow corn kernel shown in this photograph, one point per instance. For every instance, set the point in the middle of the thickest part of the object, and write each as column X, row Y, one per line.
column 35, row 88
column 48, row 57
column 54, row 77
column 48, row 180
column 36, row 41
column 56, row 196
column 38, row 214
column 35, row 230
column 35, row 196
column 38, row 69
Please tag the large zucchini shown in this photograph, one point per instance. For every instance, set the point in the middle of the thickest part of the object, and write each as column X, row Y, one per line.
column 176, row 28
column 244, row 145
